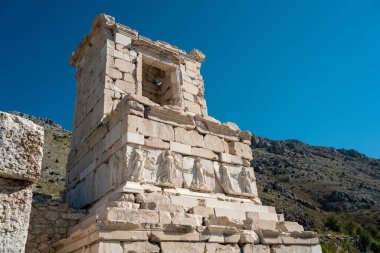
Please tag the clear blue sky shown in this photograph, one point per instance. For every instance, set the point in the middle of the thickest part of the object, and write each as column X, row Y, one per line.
column 307, row 70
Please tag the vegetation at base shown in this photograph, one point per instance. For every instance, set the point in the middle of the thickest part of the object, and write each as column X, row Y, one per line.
column 349, row 236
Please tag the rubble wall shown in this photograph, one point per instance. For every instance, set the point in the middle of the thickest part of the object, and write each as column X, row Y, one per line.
column 49, row 222
column 20, row 165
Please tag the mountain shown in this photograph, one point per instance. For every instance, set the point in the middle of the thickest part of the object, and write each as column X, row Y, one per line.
column 307, row 183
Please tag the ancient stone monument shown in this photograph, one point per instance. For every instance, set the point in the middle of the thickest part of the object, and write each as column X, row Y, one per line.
column 156, row 173
column 20, row 166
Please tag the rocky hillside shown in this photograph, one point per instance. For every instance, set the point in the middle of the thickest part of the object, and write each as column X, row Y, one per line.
column 306, row 183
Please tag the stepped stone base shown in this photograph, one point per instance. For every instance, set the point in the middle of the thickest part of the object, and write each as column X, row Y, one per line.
column 146, row 218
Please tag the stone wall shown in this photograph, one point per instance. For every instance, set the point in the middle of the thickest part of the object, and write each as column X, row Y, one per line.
column 20, row 165
column 50, row 222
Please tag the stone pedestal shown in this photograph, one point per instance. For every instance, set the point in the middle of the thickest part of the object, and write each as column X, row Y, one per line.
column 156, row 173
column 20, row 166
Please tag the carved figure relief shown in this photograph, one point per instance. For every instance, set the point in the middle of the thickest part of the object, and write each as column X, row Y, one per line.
column 225, row 179
column 199, row 180
column 139, row 161
column 115, row 167
column 138, row 158
column 168, row 165
column 246, row 179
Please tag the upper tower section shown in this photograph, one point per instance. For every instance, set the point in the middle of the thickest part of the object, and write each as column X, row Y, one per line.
column 114, row 61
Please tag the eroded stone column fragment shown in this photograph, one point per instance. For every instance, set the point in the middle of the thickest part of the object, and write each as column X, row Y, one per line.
column 20, row 166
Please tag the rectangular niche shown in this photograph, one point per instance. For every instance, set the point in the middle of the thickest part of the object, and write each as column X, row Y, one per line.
column 160, row 82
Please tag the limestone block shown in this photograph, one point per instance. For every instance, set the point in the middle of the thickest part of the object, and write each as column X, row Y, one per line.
column 124, row 66
column 248, row 236
column 233, row 126
column 268, row 216
column 213, row 143
column 188, row 96
column 113, row 135
column 133, row 138
column 170, row 116
column 251, row 248
column 20, row 148
column 269, row 236
column 192, row 107
column 129, row 219
column 143, row 247
column 122, row 39
column 88, row 189
column 130, row 79
column 234, row 214
column 297, row 249
column 185, row 223
column 114, row 73
column 118, row 55
column 128, row 87
column 110, row 246
column 156, row 143
column 205, row 153
column 245, row 136
column 152, row 128
column 191, row 137
column 87, row 170
column 190, row 88
column 202, row 211
column 182, row 247
column 288, row 226
column 123, row 235
column 122, row 49
column 180, row 148
column 193, row 236
column 240, row 149
column 227, row 158
column 103, row 181
column 220, row 248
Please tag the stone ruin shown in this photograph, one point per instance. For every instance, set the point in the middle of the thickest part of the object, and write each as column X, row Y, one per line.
column 154, row 171
column 20, row 167
column 151, row 169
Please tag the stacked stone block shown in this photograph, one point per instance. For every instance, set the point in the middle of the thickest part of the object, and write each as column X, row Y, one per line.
column 156, row 173
column 49, row 222
column 20, row 165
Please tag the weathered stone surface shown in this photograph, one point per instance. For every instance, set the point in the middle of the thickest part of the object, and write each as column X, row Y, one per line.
column 240, row 149
column 189, row 137
column 140, row 247
column 20, row 148
column 156, row 143
column 248, row 236
column 288, row 226
column 182, row 247
column 250, row 248
column 213, row 143
column 220, row 248
column 20, row 164
column 15, row 205
column 150, row 128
